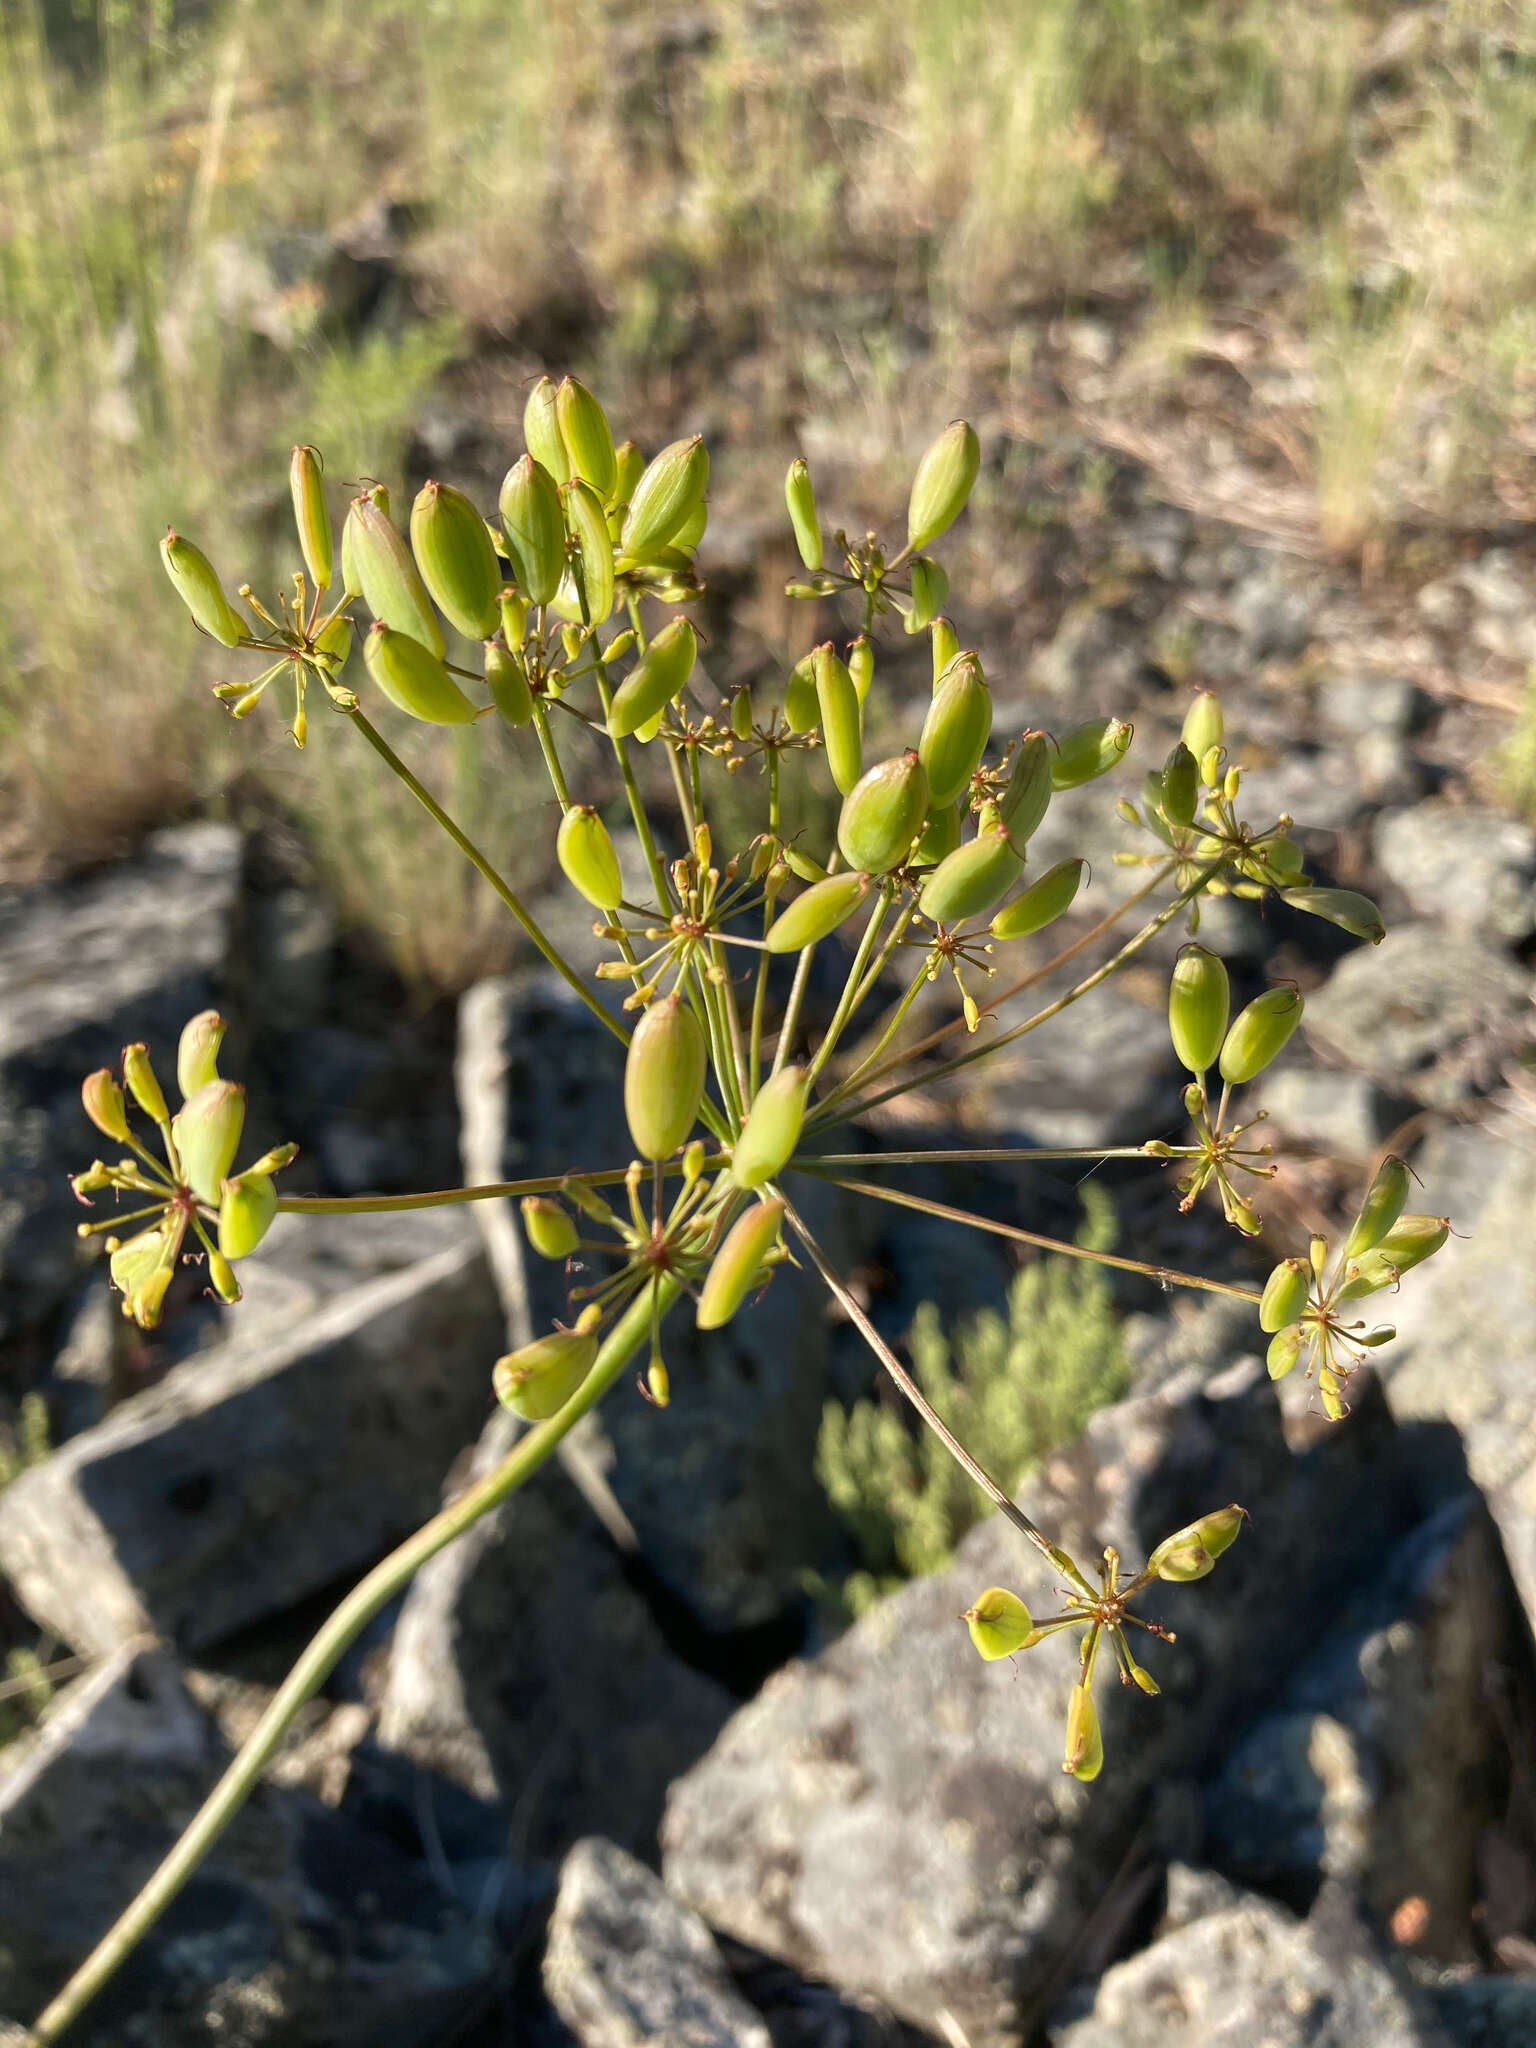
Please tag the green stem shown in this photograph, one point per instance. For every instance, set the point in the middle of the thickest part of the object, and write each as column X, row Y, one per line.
column 851, row 986
column 320, row 1658
column 1002, row 1155
column 472, row 853
column 847, row 1085
column 551, row 757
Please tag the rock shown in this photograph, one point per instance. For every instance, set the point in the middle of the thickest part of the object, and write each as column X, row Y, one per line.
column 627, row 1965
column 1319, row 789
column 526, row 1669
column 893, row 1815
column 1386, row 1757
column 1468, row 867
column 1330, row 1109
column 1431, row 1011
column 1487, row 2012
column 1248, row 1975
column 1355, row 707
column 261, row 1470
column 85, row 967
column 1273, row 615
column 299, row 1931
column 373, row 1110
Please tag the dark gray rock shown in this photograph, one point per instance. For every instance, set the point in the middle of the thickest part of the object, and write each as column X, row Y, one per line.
column 261, row 1470
column 893, row 1816
column 1469, row 867
column 1488, row 2012
column 85, row 967
column 626, row 1965
column 300, row 1930
column 529, row 1671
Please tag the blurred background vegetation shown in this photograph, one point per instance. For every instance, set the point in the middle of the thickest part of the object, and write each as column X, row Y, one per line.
column 225, row 228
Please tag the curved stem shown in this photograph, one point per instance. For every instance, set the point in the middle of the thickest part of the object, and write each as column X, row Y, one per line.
column 320, row 1658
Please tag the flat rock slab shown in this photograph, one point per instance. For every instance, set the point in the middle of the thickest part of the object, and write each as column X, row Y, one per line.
column 261, row 1470
column 1471, row 868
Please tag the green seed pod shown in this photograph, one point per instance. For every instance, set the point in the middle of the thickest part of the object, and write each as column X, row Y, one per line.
column 587, row 525
column 1410, row 1241
column 534, row 526
column 351, row 575
column 1373, row 1340
column 1085, row 1744
column 333, row 644
column 1041, row 903
column 942, row 484
column 1381, row 1208
column 691, row 532
column 1089, row 751
column 1199, row 998
column 247, row 1205
column 1190, row 1553
column 883, row 814
column 514, row 616
column 664, row 1077
column 541, row 430
column 1023, row 803
column 457, row 562
column 392, row 587
column 930, row 587
column 629, row 467
column 1180, row 786
column 655, row 679
column 941, row 835
column 414, row 678
column 741, row 714
column 1279, row 862
column 197, row 1054
column 1203, row 725
column 999, row 1623
column 736, row 1264
column 549, row 1227
column 802, row 865
column 587, row 857
column 861, row 666
column 508, row 684
column 665, row 495
column 1285, row 1295
column 196, row 583
column 802, row 704
column 222, row 1276
column 310, row 516
column 105, row 1104
column 772, row 1129
column 538, row 1379
column 586, row 435
column 1284, row 1350
column 840, row 718
column 142, row 1084
column 1345, row 907
column 972, row 878
column 818, row 912
column 134, row 1262
column 1259, row 1031
column 800, row 497
column 946, row 645
column 207, row 1132
column 956, row 730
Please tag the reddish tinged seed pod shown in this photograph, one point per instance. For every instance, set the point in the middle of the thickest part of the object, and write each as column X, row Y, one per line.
column 1285, row 1295
column 1383, row 1204
column 811, row 917
column 772, row 1129
column 655, row 680
column 883, row 814
column 1198, row 1000
column 533, row 527
column 972, row 878
column 1089, row 751
column 930, row 587
column 247, row 1205
column 802, row 704
column 541, row 430
column 587, row 525
column 586, row 435
column 956, row 730
column 942, row 484
column 306, row 486
column 1042, row 902
column 457, row 562
column 196, row 583
column 1344, row 907
column 587, row 857
column 1085, row 1744
column 143, row 1085
column 666, row 493
column 549, row 1227
column 1203, row 725
column 197, row 1054
column 105, row 1104
column 414, row 678
column 664, row 1077
column 508, row 684
column 207, row 1132
column 538, row 1379
column 1024, row 801
column 800, row 498
column 841, row 719
column 999, row 1623
column 1259, row 1031
column 736, row 1265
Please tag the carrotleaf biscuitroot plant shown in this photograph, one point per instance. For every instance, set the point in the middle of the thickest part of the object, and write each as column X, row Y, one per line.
column 574, row 594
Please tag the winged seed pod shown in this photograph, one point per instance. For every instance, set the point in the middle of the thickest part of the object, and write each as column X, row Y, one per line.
column 629, row 467
column 549, row 1227
column 105, row 1104
column 861, row 666
column 1381, row 1208
column 306, row 486
column 999, row 1623
column 972, row 878
column 945, row 642
column 586, row 435
column 196, row 583
column 664, row 1077
column 197, row 1054
column 1180, row 790
column 334, row 644
column 508, row 684
column 1199, row 997
column 538, row 1379
column 457, row 562
column 1285, row 1295
column 737, row 1263
column 655, row 679
column 1410, row 1241
column 930, row 587
column 1085, row 1745
column 1259, row 1032
column 1344, row 907
column 207, row 1132
column 1089, row 751
column 587, row 857
column 811, row 917
column 1191, row 1553
column 541, row 430
column 883, row 814
column 1203, row 724
column 351, row 575
column 1024, row 801
column 1284, row 1350
column 391, row 583
column 1042, row 902
column 414, row 678
column 941, row 835
column 247, row 1205
column 841, row 719
column 802, row 704
column 800, row 498
column 772, row 1129
column 587, row 525
column 534, row 528
column 665, row 495
column 142, row 1084
column 956, row 729
column 942, row 484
